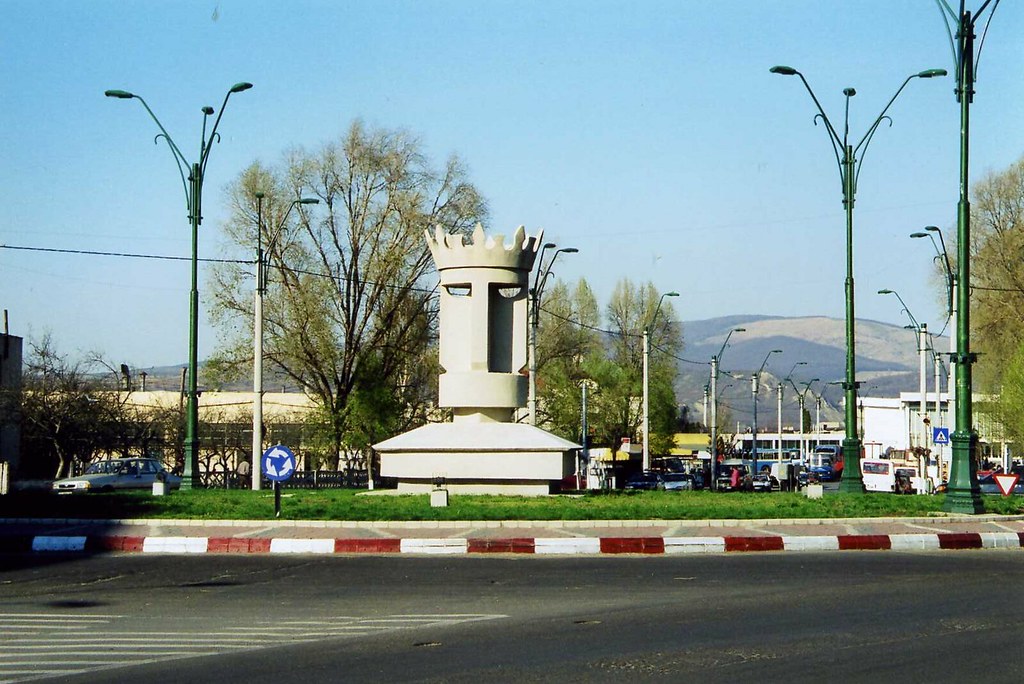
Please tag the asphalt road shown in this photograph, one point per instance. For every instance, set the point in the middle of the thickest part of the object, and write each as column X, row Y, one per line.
column 794, row 617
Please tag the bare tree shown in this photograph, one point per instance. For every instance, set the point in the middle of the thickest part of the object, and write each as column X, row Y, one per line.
column 350, row 312
column 69, row 412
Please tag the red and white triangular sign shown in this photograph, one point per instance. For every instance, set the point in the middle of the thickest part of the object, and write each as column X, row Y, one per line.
column 1006, row 482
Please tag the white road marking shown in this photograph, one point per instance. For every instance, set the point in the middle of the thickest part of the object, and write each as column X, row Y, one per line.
column 36, row 646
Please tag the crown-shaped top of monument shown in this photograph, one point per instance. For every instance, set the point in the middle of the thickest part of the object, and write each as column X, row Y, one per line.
column 451, row 251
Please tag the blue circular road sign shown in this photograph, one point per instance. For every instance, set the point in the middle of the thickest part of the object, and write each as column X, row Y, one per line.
column 278, row 463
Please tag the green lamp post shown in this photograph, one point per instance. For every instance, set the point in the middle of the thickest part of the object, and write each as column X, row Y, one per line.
column 963, row 494
column 193, row 185
column 849, row 171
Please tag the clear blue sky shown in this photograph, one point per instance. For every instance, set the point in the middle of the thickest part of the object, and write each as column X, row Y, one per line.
column 650, row 135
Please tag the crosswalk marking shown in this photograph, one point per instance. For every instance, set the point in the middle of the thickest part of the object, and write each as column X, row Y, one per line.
column 33, row 646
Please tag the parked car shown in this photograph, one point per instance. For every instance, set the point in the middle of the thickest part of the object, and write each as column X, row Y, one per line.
column 117, row 474
column 724, row 477
column 988, row 485
column 647, row 480
column 675, row 482
column 764, row 482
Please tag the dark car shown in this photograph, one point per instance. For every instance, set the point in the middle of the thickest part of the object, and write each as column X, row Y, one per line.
column 645, row 481
column 764, row 482
column 988, row 485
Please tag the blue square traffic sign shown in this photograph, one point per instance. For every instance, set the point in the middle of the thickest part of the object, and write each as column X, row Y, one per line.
column 940, row 435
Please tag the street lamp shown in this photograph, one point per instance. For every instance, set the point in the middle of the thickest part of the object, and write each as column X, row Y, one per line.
column 262, row 268
column 942, row 256
column 782, row 384
column 922, row 349
column 539, row 281
column 647, row 354
column 963, row 494
column 715, row 361
column 755, row 380
column 849, row 172
column 801, row 396
column 193, row 185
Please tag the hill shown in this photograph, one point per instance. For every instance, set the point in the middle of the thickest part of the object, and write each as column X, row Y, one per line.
column 887, row 362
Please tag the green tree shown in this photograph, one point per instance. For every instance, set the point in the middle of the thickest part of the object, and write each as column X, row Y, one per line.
column 567, row 340
column 631, row 310
column 350, row 312
column 997, row 278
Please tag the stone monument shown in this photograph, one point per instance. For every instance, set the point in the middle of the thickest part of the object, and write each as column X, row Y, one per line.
column 483, row 326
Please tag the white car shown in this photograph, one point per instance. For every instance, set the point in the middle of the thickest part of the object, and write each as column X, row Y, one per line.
column 116, row 474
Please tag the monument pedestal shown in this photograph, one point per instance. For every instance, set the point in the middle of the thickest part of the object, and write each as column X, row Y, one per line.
column 478, row 458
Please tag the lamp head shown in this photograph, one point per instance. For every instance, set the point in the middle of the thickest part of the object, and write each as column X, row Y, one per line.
column 260, row 195
column 849, row 92
column 120, row 94
column 932, row 229
column 208, row 111
column 671, row 294
column 739, row 330
column 309, row 200
column 569, row 250
column 931, row 73
column 886, row 291
column 239, row 87
column 549, row 245
column 784, row 70
column 919, row 235
column 775, row 351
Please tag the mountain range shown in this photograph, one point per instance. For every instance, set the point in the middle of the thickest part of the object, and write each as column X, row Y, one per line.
column 887, row 362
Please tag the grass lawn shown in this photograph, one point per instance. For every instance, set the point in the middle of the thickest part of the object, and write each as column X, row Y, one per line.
column 334, row 504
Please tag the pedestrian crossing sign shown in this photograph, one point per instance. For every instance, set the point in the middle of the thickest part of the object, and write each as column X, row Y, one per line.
column 940, row 436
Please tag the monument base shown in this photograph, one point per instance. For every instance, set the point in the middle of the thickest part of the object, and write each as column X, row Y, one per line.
column 478, row 458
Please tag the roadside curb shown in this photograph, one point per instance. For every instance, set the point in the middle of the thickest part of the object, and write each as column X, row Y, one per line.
column 514, row 545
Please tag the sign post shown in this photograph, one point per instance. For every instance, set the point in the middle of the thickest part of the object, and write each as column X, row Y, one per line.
column 278, row 464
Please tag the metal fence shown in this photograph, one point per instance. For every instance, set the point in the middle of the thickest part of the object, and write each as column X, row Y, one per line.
column 302, row 479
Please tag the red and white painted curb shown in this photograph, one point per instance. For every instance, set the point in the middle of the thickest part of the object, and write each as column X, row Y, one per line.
column 527, row 545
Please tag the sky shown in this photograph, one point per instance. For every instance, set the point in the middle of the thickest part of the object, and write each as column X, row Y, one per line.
column 649, row 135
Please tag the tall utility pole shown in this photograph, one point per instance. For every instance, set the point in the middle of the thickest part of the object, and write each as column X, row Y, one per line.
column 539, row 281
column 193, row 185
column 942, row 256
column 262, row 268
column 755, row 380
column 646, row 378
column 801, row 399
column 715, row 361
column 963, row 494
column 921, row 329
column 780, row 388
column 849, row 171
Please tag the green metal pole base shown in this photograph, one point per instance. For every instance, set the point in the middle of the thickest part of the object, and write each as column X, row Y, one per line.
column 190, row 474
column 852, row 482
column 963, row 494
